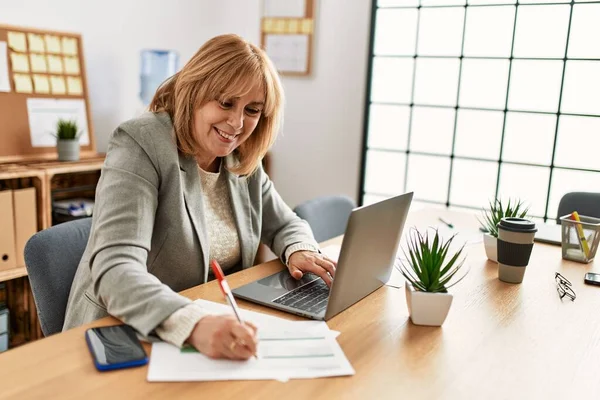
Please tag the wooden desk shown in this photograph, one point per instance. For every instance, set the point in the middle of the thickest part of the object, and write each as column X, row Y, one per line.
column 500, row 341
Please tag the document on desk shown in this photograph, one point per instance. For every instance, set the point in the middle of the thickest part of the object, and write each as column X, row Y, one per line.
column 286, row 350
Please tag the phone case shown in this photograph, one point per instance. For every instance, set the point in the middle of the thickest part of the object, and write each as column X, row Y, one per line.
column 109, row 367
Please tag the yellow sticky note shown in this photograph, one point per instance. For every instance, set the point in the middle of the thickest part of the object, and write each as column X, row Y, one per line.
column 267, row 25
column 23, row 83
column 36, row 43
column 19, row 62
column 53, row 44
column 41, row 84
column 69, row 46
column 293, row 26
column 279, row 26
column 71, row 65
column 38, row 63
column 55, row 65
column 16, row 41
column 74, row 85
column 307, row 26
column 57, row 84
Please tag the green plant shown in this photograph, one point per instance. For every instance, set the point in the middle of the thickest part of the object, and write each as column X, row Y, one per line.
column 67, row 130
column 497, row 211
column 428, row 266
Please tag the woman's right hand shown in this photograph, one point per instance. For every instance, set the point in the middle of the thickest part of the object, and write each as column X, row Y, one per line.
column 222, row 336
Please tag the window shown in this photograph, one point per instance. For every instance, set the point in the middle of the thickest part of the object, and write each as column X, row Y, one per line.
column 472, row 100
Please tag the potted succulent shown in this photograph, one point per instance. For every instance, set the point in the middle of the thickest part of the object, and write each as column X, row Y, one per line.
column 491, row 219
column 67, row 143
column 430, row 269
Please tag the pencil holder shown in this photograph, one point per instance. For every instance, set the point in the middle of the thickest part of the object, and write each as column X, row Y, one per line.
column 580, row 238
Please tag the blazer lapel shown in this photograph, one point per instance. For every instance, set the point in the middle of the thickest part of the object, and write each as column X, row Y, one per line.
column 242, row 213
column 192, row 192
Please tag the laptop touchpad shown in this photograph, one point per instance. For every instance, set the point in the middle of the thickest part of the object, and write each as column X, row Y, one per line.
column 283, row 280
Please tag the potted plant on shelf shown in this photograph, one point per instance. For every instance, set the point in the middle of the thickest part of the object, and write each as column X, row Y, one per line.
column 491, row 219
column 67, row 140
column 430, row 269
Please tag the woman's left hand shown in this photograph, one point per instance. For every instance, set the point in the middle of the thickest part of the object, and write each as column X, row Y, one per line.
column 304, row 261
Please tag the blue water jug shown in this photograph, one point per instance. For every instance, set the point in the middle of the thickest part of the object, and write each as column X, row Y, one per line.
column 156, row 66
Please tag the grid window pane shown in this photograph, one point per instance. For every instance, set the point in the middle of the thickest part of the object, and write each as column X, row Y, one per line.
column 428, row 177
column 542, row 1
column 440, row 31
column 483, row 83
column 535, row 85
column 478, row 134
column 443, row 2
column 432, row 130
column 396, row 31
column 397, row 3
column 436, row 81
column 473, row 182
column 388, row 126
column 385, row 172
column 565, row 181
column 392, row 80
column 541, row 31
column 489, row 31
column 492, row 2
column 529, row 138
column 581, row 88
column 578, row 142
column 529, row 184
column 584, row 25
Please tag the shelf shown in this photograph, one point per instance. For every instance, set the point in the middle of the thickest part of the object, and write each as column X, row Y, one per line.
column 12, row 273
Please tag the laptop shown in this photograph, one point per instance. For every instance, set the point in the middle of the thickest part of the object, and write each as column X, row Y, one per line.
column 548, row 233
column 365, row 264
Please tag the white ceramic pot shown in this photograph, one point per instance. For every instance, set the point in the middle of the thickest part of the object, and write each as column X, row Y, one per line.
column 430, row 309
column 68, row 150
column 491, row 247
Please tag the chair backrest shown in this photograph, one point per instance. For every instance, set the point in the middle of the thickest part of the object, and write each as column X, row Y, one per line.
column 585, row 203
column 327, row 215
column 52, row 257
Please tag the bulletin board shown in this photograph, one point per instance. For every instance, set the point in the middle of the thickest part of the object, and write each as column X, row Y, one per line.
column 287, row 33
column 42, row 79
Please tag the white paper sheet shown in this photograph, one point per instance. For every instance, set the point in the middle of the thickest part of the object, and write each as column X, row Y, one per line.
column 4, row 78
column 333, row 251
column 288, row 52
column 287, row 350
column 45, row 113
column 284, row 8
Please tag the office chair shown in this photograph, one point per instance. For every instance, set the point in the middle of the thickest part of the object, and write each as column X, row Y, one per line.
column 585, row 203
column 51, row 258
column 326, row 215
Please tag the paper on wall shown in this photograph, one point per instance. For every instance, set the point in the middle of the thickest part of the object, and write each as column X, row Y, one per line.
column 36, row 43
column 55, row 65
column 57, row 83
column 19, row 62
column 69, row 46
column 16, row 41
column 288, row 52
column 53, row 44
column 71, row 65
column 38, row 63
column 4, row 77
column 41, row 84
column 44, row 114
column 74, row 86
column 23, row 83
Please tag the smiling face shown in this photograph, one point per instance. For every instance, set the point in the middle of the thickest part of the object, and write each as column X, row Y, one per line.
column 220, row 126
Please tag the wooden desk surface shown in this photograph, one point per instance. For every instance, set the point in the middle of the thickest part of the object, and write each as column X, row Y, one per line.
column 500, row 341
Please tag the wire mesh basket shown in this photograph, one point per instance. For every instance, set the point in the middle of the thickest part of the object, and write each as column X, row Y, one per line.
column 580, row 239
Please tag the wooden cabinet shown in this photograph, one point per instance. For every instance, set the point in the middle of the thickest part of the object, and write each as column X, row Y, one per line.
column 52, row 180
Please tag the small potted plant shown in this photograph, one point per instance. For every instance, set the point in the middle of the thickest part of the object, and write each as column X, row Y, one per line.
column 67, row 143
column 430, row 269
column 491, row 219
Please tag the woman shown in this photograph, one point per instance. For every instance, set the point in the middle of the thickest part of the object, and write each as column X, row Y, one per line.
column 182, row 185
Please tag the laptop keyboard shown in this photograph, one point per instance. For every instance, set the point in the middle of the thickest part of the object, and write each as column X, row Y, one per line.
column 311, row 297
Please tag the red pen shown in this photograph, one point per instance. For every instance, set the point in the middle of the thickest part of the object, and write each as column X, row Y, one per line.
column 226, row 290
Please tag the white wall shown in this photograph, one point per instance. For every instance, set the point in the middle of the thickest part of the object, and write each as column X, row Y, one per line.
column 319, row 151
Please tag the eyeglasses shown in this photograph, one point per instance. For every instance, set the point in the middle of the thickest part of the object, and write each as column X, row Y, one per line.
column 564, row 287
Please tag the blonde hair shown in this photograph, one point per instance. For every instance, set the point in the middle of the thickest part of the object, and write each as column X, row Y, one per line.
column 225, row 67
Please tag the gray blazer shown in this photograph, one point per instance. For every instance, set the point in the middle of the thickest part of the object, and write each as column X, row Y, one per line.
column 148, row 240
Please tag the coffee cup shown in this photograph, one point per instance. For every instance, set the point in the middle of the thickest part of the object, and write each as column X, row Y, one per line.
column 515, row 242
